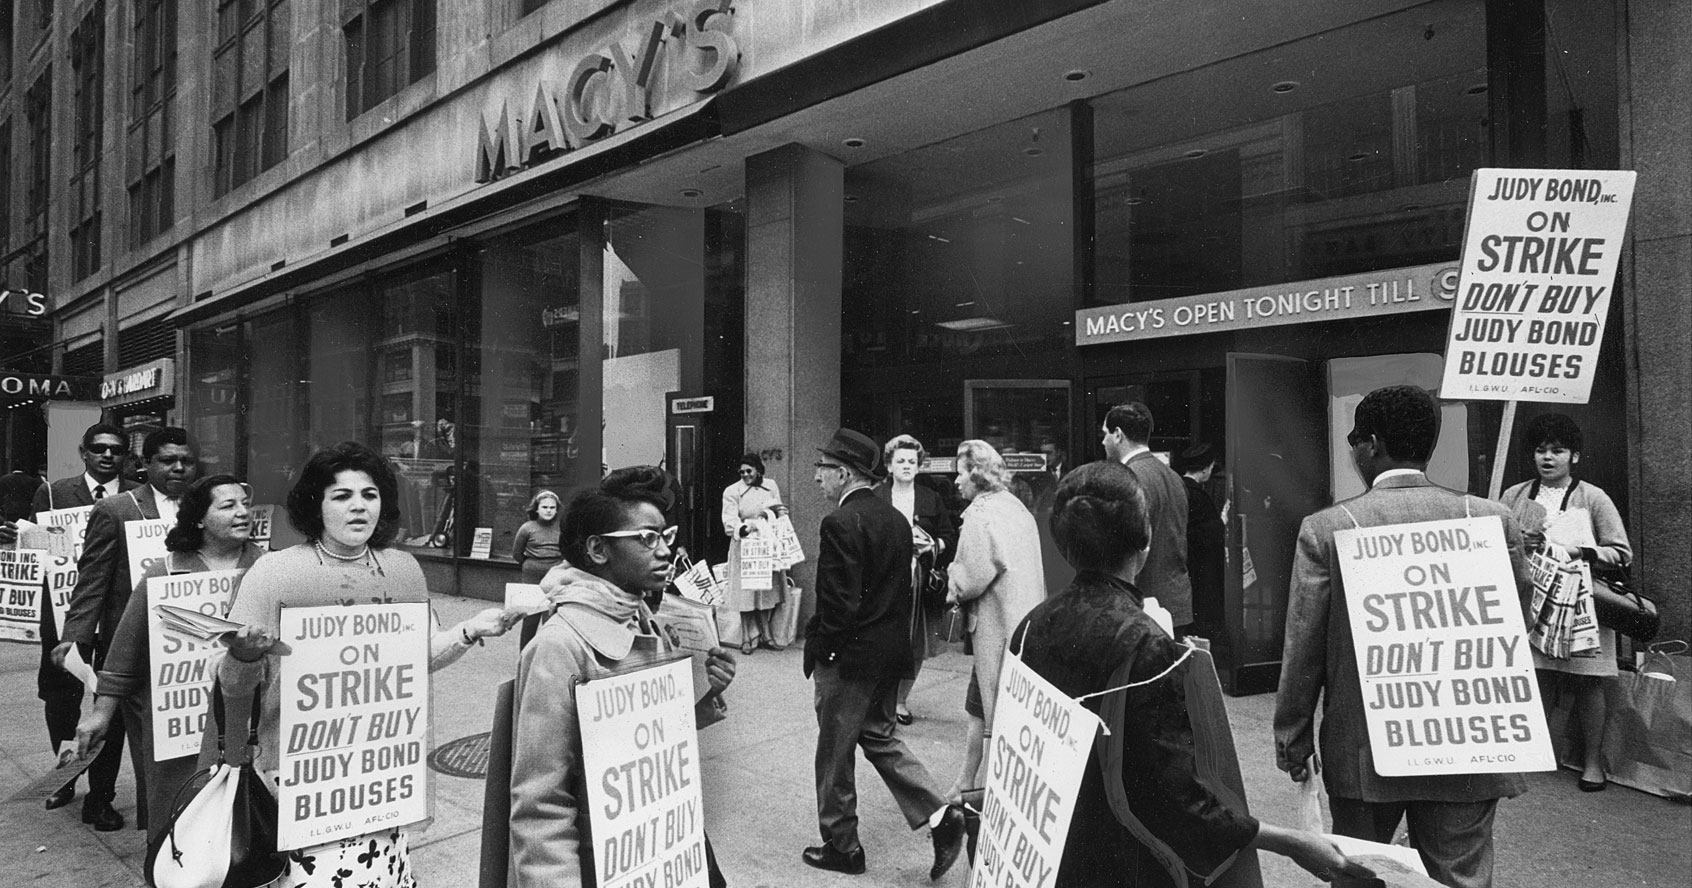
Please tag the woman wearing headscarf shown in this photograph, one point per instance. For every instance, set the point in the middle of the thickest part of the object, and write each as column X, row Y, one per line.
column 618, row 548
column 934, row 535
column 1088, row 638
column 744, row 504
column 1572, row 521
column 213, row 526
column 997, row 576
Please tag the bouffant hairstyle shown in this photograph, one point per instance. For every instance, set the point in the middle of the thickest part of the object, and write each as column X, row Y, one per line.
column 187, row 535
column 1403, row 417
column 1551, row 428
column 158, row 438
column 1099, row 516
column 603, row 509
column 984, row 466
column 753, row 460
column 1133, row 420
column 903, row 442
column 305, row 501
column 534, row 504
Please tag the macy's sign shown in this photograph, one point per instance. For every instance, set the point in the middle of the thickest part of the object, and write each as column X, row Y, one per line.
column 612, row 89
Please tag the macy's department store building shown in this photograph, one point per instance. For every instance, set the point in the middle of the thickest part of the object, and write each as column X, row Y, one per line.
column 637, row 232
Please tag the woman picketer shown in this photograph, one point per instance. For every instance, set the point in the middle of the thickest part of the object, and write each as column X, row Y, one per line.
column 345, row 504
column 536, row 550
column 997, row 576
column 213, row 525
column 618, row 548
column 1572, row 521
column 934, row 535
column 744, row 503
column 1078, row 639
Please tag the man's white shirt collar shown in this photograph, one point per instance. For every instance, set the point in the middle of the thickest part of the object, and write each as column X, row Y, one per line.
column 1392, row 473
column 110, row 487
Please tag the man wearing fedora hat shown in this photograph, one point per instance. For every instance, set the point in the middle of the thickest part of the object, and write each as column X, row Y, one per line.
column 857, row 650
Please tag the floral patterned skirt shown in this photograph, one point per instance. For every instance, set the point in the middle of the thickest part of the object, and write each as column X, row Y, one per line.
column 373, row 860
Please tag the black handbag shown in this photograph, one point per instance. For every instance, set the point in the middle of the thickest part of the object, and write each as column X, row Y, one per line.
column 1621, row 607
column 222, row 831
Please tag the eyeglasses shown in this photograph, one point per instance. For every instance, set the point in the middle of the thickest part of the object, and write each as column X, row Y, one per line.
column 646, row 535
column 824, row 465
column 748, row 471
column 106, row 448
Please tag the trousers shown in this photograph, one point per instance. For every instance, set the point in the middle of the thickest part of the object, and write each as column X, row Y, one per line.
column 858, row 713
column 1454, row 839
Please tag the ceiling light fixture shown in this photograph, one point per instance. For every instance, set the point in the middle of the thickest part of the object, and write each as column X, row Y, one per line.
column 963, row 304
column 853, row 142
column 1196, row 153
column 936, row 237
column 1020, row 219
column 1077, row 75
column 973, row 325
column 1285, row 86
column 691, row 192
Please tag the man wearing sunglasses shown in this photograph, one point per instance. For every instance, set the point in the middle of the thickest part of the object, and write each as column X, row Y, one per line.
column 103, row 587
column 857, row 649
column 102, row 451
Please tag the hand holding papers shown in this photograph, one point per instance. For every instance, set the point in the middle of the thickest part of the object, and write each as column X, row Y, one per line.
column 205, row 627
column 691, row 626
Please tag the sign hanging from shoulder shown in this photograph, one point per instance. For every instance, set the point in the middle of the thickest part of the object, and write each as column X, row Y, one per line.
column 1442, row 653
column 1539, row 265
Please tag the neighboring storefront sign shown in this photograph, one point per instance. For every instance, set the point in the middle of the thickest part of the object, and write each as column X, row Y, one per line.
column 154, row 379
column 20, row 594
column 49, row 386
column 1538, row 271
column 23, row 302
column 613, row 89
column 1442, row 651
column 1349, row 297
column 355, row 721
column 181, row 666
column 640, row 752
column 1039, row 749
column 706, row 404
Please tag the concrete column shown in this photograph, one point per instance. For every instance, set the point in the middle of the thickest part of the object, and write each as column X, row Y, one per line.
column 1656, row 126
column 794, row 242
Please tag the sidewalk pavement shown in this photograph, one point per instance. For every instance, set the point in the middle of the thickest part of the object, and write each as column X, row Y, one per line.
column 761, row 803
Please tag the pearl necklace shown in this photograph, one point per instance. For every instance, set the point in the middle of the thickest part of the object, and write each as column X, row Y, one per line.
column 360, row 555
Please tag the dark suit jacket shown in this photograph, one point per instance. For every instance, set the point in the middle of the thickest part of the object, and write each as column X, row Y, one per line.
column 1207, row 538
column 102, row 582
column 1320, row 659
column 1165, row 574
column 937, row 521
column 68, row 493
column 863, row 591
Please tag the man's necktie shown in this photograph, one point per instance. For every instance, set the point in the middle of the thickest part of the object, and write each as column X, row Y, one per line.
column 99, row 491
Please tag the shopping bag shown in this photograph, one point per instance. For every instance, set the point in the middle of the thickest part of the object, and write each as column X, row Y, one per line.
column 730, row 628
column 496, row 790
column 784, row 623
column 786, row 549
column 1648, row 737
column 695, row 580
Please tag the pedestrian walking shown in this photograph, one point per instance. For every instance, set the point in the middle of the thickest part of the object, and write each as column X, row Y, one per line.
column 857, row 649
column 618, row 549
column 744, row 505
column 212, row 530
column 934, row 536
column 103, row 588
column 1572, row 521
column 1127, row 434
column 1450, row 815
column 998, row 576
column 345, row 505
column 1207, row 539
column 1145, row 802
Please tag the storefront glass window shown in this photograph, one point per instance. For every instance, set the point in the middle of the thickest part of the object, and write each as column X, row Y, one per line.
column 1293, row 168
column 275, row 449
column 959, row 266
column 653, row 275
column 214, row 387
column 523, row 362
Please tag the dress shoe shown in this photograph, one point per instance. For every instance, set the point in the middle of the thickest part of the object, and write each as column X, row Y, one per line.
column 903, row 716
column 101, row 815
column 1593, row 785
column 62, row 796
column 948, row 841
column 824, row 857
